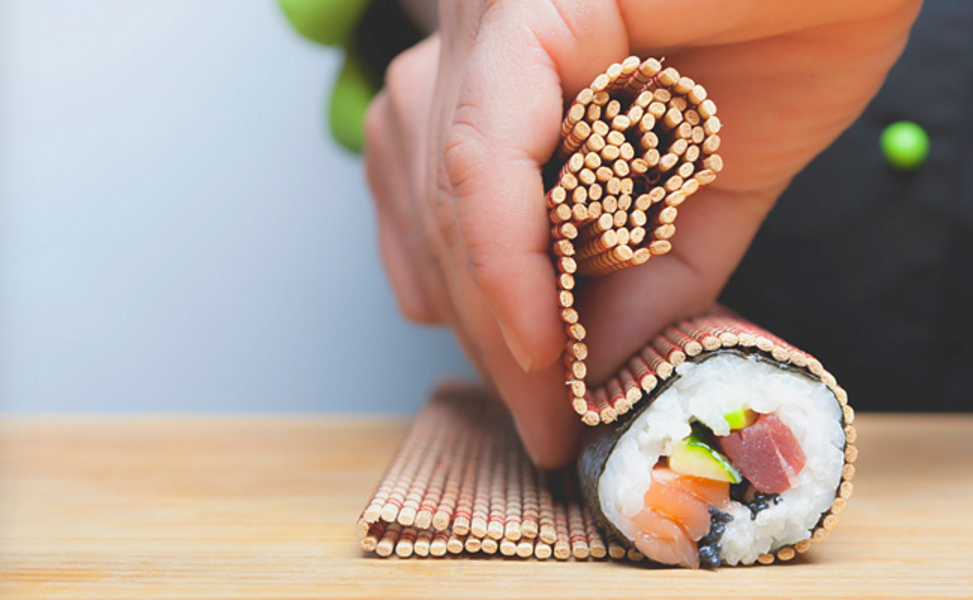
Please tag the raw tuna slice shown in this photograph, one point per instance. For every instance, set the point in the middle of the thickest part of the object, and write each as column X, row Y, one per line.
column 766, row 452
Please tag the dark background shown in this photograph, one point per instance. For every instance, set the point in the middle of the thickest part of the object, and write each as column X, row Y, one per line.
column 871, row 269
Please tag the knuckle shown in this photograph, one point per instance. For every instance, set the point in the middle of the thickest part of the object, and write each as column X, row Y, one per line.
column 465, row 154
column 404, row 74
column 567, row 15
column 490, row 6
column 444, row 217
column 477, row 239
column 486, row 273
column 424, row 317
column 399, row 72
column 376, row 119
column 411, row 293
column 376, row 151
column 416, row 310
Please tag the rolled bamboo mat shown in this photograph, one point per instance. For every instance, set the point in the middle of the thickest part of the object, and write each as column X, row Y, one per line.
column 635, row 144
column 461, row 482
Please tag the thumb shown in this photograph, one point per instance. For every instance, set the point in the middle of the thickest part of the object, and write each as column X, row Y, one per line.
column 505, row 127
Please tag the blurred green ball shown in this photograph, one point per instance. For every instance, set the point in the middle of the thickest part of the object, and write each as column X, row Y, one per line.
column 905, row 145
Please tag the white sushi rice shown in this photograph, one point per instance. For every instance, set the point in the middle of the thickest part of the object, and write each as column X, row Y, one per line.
column 706, row 391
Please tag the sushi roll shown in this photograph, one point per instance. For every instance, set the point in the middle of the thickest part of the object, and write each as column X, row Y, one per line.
column 741, row 455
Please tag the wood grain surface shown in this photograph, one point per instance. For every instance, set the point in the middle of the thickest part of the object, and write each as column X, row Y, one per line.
column 264, row 507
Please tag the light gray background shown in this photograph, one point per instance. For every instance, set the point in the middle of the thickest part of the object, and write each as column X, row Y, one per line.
column 177, row 232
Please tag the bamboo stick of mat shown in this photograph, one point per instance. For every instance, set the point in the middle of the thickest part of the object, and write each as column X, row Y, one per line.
column 635, row 144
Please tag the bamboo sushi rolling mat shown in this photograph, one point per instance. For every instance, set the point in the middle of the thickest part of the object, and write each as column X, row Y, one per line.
column 262, row 507
column 461, row 483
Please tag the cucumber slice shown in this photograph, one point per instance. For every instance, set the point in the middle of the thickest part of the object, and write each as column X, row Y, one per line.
column 739, row 419
column 693, row 456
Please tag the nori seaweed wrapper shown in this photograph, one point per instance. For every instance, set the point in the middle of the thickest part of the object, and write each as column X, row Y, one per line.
column 598, row 442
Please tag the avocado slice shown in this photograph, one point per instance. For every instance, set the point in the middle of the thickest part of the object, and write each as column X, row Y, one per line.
column 693, row 456
column 741, row 418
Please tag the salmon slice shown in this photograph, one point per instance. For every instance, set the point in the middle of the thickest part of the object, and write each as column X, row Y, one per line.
column 676, row 516
column 766, row 453
column 662, row 540
column 669, row 498
column 712, row 492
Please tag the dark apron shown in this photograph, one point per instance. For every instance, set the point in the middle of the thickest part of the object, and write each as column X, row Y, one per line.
column 871, row 269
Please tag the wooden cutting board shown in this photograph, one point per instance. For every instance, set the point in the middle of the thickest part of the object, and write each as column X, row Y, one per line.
column 264, row 507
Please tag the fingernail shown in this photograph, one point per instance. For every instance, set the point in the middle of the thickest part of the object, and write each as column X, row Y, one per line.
column 530, row 446
column 532, row 452
column 520, row 353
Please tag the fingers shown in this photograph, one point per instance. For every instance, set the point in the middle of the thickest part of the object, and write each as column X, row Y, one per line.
column 504, row 128
column 386, row 175
column 549, row 428
column 661, row 25
column 394, row 128
column 501, row 93
column 547, row 424
column 455, row 157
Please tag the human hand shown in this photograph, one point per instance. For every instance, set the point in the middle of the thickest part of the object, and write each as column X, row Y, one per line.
column 456, row 141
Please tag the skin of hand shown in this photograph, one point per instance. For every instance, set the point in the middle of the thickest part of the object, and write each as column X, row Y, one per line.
column 456, row 140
